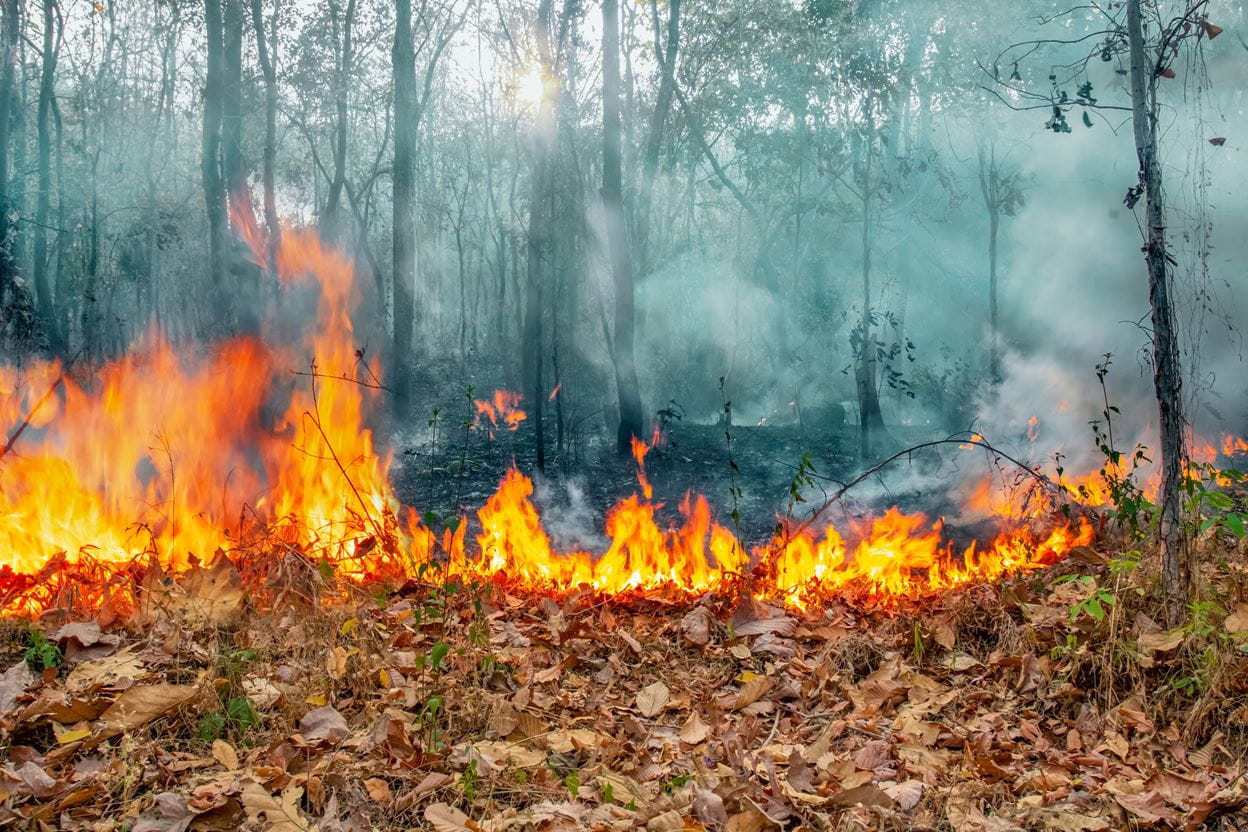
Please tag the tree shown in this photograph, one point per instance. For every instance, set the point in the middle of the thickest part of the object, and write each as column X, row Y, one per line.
column 631, row 419
column 539, row 233
column 52, row 30
column 10, row 40
column 266, row 52
column 210, row 152
column 1147, row 35
column 998, row 185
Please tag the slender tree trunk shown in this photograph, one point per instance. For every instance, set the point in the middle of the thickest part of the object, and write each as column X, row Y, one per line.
column 631, row 419
column 43, row 202
column 210, row 158
column 330, row 223
column 869, row 416
column 8, row 80
column 404, row 200
column 1167, row 375
column 539, row 242
column 666, row 53
column 267, row 54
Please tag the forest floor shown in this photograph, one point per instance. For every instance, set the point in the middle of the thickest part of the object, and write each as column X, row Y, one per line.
column 285, row 699
column 299, row 704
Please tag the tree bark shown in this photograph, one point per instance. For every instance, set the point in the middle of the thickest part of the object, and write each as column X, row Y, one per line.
column 403, row 64
column 990, row 187
column 267, row 55
column 870, row 419
column 8, row 80
column 539, row 242
column 666, row 55
column 331, row 225
column 43, row 201
column 210, row 155
column 631, row 419
column 1167, row 375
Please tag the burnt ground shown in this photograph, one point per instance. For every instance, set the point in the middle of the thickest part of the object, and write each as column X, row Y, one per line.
column 462, row 469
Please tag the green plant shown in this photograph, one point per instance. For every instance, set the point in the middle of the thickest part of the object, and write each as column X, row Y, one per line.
column 41, row 654
column 470, row 781
column 672, row 784
column 1094, row 603
column 573, row 783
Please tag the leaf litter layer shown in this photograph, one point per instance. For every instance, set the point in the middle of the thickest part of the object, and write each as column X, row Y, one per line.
column 223, row 704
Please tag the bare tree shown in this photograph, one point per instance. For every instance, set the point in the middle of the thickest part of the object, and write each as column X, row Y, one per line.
column 631, row 420
column 1149, row 34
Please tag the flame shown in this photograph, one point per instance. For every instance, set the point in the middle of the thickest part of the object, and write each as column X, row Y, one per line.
column 640, row 449
column 177, row 454
column 503, row 410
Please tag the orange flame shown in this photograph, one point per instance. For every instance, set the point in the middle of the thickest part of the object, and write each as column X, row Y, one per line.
column 502, row 410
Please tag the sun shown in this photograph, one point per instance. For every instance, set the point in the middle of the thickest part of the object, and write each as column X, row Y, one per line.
column 530, row 87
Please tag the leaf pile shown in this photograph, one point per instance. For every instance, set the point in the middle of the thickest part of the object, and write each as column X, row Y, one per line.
column 454, row 708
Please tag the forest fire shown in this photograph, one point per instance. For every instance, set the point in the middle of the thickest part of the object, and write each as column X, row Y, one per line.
column 172, row 459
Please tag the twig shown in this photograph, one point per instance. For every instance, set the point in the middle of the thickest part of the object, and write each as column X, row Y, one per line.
column 8, row 446
column 875, row 469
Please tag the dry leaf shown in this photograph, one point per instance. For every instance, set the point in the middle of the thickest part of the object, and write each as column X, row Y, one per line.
column 652, row 699
column 1237, row 622
column 694, row 730
column 141, row 704
column 696, row 626
column 378, row 789
column 213, row 594
column 13, row 683
column 446, row 818
column 225, row 755
column 752, row 691
column 1162, row 642
column 282, row 815
column 323, row 724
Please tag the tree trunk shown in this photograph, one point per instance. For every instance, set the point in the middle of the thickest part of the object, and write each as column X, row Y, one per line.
column 1167, row 376
column 331, row 225
column 539, row 242
column 631, row 419
column 8, row 80
column 210, row 158
column 870, row 418
column 267, row 54
column 403, row 62
column 666, row 54
column 43, row 202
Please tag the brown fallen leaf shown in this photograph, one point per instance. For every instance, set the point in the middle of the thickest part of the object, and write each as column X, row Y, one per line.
column 378, row 789
column 323, row 724
column 281, row 813
column 213, row 595
column 446, row 818
column 867, row 795
column 225, row 755
column 141, row 704
column 13, row 683
column 752, row 691
column 652, row 699
column 694, row 730
column 1148, row 806
column 84, row 640
column 696, row 626
column 1161, row 642
column 1237, row 622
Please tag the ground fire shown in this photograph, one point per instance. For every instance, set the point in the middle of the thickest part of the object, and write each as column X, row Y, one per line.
column 158, row 456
